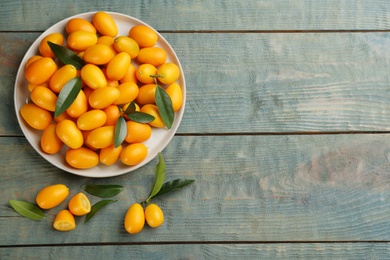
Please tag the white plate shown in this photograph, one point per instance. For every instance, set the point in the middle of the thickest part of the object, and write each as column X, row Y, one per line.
column 160, row 137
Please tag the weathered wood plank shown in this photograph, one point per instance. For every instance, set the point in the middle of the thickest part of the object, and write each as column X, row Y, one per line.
column 271, row 83
column 11, row 54
column 247, row 188
column 281, row 83
column 37, row 15
column 205, row 251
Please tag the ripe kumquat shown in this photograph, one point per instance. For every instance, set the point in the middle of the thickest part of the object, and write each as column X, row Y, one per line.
column 64, row 221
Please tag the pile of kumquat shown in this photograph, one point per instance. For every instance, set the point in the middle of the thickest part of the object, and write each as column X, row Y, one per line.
column 100, row 94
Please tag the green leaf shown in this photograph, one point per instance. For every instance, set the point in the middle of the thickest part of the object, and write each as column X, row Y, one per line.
column 103, row 190
column 67, row 95
column 173, row 185
column 136, row 116
column 120, row 131
column 140, row 117
column 66, row 56
column 130, row 108
column 27, row 209
column 96, row 208
column 159, row 177
column 164, row 105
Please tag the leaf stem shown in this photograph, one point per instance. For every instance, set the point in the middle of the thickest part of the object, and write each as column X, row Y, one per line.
column 155, row 76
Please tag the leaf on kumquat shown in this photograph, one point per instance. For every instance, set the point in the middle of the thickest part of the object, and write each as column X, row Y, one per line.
column 131, row 108
column 164, row 105
column 140, row 117
column 66, row 56
column 120, row 131
column 67, row 95
column 136, row 116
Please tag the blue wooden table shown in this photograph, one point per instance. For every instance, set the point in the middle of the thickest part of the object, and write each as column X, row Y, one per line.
column 285, row 132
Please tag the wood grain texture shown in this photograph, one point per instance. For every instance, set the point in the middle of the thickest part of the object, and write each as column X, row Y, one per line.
column 282, row 83
column 204, row 251
column 247, row 188
column 37, row 15
column 270, row 83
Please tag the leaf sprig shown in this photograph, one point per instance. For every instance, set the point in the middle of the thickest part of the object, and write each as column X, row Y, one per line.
column 159, row 186
column 121, row 126
column 137, row 116
column 158, row 178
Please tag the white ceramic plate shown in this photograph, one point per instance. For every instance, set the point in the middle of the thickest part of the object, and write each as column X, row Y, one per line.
column 160, row 137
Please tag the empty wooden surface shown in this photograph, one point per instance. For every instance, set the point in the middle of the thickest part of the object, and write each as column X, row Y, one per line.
column 286, row 134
